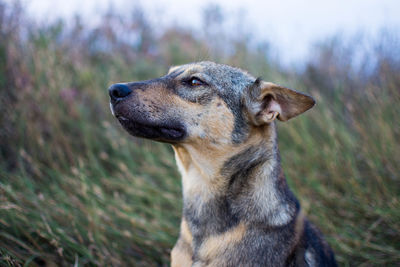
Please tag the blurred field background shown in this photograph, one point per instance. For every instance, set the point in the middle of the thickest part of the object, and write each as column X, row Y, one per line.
column 75, row 189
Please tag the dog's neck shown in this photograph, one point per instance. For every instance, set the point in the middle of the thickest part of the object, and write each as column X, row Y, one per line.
column 246, row 179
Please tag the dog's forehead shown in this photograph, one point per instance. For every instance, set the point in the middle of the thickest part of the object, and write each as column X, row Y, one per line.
column 223, row 75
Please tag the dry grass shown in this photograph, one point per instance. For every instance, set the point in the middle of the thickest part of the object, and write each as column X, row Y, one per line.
column 76, row 189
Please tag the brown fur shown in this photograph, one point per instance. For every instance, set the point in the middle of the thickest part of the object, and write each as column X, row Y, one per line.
column 238, row 209
column 181, row 254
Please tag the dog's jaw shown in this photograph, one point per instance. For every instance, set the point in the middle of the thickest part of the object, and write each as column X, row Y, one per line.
column 169, row 132
column 138, row 124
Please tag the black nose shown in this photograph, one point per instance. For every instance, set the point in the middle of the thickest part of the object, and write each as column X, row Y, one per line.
column 119, row 91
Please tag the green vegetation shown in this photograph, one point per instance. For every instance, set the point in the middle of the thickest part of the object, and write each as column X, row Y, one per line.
column 77, row 189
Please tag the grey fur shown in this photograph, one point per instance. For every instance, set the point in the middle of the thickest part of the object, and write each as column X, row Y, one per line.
column 238, row 209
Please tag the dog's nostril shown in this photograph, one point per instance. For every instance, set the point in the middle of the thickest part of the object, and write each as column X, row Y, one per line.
column 119, row 91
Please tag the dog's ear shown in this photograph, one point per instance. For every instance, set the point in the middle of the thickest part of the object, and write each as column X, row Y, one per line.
column 266, row 101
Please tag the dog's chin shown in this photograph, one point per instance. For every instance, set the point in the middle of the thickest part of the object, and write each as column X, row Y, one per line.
column 168, row 132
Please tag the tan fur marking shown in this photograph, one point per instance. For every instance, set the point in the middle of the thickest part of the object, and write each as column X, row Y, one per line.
column 180, row 257
column 193, row 69
column 215, row 245
column 298, row 230
column 202, row 155
column 188, row 71
column 173, row 68
column 181, row 254
column 182, row 155
column 200, row 163
column 185, row 232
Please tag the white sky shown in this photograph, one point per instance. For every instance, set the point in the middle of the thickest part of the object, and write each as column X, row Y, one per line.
column 291, row 26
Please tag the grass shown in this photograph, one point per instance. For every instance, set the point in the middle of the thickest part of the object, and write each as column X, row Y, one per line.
column 76, row 189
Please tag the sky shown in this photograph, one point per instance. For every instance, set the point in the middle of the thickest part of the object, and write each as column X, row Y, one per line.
column 291, row 26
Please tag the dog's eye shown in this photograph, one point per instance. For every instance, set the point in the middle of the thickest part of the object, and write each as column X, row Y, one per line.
column 195, row 82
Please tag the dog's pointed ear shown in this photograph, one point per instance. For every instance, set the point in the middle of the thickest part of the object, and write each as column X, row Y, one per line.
column 266, row 101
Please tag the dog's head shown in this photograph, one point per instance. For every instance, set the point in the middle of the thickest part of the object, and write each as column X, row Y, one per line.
column 203, row 101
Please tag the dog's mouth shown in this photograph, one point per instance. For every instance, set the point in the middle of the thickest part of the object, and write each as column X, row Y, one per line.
column 163, row 131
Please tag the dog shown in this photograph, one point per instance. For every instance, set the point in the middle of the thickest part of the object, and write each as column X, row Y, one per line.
column 237, row 207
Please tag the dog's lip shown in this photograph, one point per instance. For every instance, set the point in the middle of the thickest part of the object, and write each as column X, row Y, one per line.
column 121, row 118
column 112, row 109
column 167, row 133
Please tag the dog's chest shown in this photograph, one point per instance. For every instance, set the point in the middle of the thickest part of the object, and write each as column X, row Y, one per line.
column 209, row 217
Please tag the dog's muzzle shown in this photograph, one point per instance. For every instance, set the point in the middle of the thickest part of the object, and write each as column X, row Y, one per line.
column 137, row 122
